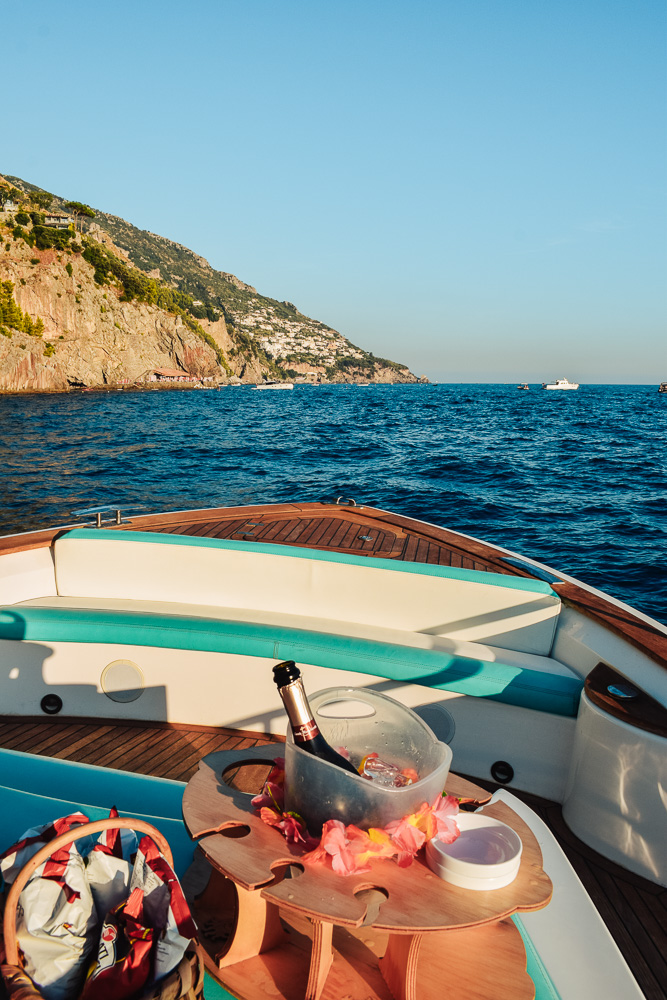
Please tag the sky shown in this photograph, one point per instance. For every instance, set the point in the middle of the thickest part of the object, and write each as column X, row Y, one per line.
column 475, row 188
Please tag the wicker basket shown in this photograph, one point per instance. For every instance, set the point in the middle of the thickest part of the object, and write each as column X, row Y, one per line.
column 185, row 982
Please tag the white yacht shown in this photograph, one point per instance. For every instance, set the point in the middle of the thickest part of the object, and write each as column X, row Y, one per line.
column 560, row 383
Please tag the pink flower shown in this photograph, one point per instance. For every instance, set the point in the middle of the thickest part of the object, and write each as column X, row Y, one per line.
column 406, row 838
column 344, row 854
column 445, row 809
column 277, row 772
column 294, row 830
column 348, row 848
column 290, row 825
column 336, row 844
column 272, row 795
column 270, row 816
column 273, row 792
column 369, row 846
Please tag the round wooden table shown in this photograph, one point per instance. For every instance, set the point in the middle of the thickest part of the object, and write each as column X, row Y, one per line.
column 273, row 927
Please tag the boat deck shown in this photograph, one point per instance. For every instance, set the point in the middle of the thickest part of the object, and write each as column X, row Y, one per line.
column 634, row 909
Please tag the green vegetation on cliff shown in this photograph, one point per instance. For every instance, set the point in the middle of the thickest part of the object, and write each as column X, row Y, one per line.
column 267, row 335
column 11, row 315
column 135, row 285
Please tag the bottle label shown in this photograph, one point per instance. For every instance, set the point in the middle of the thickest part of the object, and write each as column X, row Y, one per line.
column 306, row 732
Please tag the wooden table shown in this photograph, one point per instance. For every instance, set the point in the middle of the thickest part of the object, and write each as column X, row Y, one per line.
column 274, row 928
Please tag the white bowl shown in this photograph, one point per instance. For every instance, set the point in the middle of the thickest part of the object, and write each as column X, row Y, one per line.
column 486, row 855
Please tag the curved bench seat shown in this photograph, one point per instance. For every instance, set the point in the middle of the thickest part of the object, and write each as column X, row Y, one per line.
column 556, row 691
column 512, row 612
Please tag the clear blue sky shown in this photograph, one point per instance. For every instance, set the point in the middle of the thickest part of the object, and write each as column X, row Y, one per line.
column 473, row 187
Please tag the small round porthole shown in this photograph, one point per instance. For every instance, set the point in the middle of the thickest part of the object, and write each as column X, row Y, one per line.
column 51, row 704
column 122, row 681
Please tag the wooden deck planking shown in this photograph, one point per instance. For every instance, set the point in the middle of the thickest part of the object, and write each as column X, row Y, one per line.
column 341, row 531
column 635, row 910
column 161, row 749
column 332, row 525
column 394, row 537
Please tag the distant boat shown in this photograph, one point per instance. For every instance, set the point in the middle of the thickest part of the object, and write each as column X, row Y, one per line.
column 560, row 383
column 274, row 385
column 524, row 386
column 662, row 387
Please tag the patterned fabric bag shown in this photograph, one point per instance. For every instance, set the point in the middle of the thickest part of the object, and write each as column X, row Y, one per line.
column 144, row 938
column 55, row 919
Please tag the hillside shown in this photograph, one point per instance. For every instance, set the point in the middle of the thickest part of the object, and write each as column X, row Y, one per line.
column 116, row 302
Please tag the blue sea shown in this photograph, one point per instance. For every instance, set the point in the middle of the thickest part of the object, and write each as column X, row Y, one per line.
column 577, row 480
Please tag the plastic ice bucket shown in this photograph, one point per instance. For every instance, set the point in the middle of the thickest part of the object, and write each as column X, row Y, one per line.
column 363, row 721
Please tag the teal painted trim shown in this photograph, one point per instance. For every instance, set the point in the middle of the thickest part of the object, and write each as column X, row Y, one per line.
column 36, row 790
column 213, row 990
column 295, row 552
column 22, row 810
column 496, row 681
column 40, row 775
column 535, row 967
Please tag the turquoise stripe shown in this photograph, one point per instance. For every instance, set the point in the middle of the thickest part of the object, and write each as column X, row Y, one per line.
column 214, row 991
column 36, row 790
column 535, row 967
column 295, row 552
column 431, row 668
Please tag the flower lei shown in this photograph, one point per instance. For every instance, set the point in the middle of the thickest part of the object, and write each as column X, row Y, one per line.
column 348, row 848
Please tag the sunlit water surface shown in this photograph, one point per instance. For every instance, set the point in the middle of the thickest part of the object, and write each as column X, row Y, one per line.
column 575, row 479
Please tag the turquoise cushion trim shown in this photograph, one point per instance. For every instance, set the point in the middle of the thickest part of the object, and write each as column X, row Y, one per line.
column 40, row 775
column 214, row 991
column 35, row 790
column 295, row 552
column 496, row 681
column 544, row 987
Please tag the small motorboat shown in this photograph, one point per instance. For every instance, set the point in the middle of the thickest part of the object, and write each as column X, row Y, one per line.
column 523, row 386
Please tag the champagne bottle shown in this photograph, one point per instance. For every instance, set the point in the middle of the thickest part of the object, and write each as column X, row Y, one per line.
column 304, row 728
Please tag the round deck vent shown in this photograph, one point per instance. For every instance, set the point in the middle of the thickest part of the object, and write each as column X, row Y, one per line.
column 439, row 720
column 122, row 681
column 51, row 704
column 502, row 772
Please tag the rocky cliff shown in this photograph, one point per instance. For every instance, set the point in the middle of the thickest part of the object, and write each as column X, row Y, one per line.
column 90, row 337
column 140, row 302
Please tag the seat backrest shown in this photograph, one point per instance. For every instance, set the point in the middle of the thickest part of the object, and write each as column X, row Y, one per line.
column 506, row 611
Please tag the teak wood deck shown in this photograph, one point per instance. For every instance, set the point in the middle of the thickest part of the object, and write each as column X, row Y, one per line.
column 634, row 909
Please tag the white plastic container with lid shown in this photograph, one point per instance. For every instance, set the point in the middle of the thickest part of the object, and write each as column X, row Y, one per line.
column 486, row 855
column 363, row 722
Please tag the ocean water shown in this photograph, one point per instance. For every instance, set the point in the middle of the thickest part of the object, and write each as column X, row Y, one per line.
column 577, row 480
